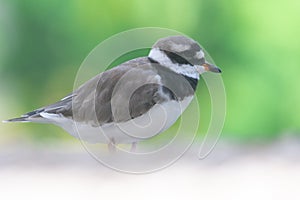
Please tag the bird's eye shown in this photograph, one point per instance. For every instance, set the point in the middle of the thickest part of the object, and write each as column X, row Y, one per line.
column 175, row 58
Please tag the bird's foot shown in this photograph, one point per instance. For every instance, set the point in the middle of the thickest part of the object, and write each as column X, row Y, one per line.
column 133, row 147
column 112, row 146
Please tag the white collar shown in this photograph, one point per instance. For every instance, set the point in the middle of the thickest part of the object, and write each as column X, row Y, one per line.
column 164, row 60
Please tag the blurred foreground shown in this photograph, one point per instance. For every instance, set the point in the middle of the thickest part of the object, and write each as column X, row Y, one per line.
column 232, row 171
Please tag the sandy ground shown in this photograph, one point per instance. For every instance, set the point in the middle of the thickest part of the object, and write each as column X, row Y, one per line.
column 232, row 171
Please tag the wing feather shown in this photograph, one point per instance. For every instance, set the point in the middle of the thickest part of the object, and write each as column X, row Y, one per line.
column 94, row 101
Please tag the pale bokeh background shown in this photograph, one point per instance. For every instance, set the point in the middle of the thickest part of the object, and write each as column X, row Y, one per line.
column 256, row 43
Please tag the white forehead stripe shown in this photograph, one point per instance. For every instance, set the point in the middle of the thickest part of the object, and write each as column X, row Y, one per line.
column 199, row 54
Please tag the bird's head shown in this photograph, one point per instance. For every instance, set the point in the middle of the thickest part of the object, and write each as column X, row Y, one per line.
column 182, row 55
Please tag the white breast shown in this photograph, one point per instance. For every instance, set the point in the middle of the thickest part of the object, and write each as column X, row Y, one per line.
column 159, row 118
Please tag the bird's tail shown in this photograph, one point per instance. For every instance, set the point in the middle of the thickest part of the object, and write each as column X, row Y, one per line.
column 47, row 113
column 19, row 119
column 33, row 116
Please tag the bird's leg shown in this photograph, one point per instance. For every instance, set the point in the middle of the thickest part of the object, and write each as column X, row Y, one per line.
column 133, row 147
column 112, row 146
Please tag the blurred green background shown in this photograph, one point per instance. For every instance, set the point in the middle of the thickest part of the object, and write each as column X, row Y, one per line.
column 256, row 44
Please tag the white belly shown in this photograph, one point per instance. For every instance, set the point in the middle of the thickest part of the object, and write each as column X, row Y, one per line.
column 159, row 118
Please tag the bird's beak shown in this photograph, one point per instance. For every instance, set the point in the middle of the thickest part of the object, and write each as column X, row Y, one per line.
column 212, row 68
